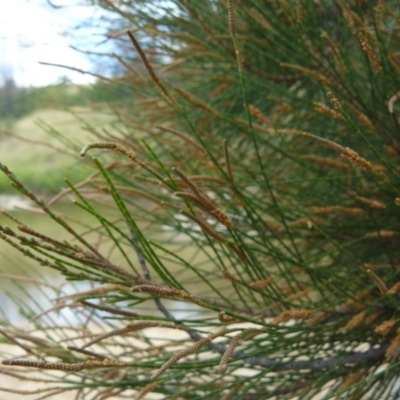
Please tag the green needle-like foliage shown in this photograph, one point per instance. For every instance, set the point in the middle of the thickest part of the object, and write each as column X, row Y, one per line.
column 252, row 182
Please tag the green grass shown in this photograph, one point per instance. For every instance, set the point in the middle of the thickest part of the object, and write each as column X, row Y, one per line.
column 47, row 147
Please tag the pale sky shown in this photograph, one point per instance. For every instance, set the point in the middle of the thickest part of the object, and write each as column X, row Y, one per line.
column 31, row 31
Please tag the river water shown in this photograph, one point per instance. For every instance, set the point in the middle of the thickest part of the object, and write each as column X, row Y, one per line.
column 22, row 280
column 27, row 288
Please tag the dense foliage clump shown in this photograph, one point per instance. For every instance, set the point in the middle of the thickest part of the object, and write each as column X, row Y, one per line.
column 263, row 136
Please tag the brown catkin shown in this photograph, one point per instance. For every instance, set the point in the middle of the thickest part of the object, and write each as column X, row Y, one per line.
column 325, row 110
column 69, row 367
column 369, row 319
column 366, row 121
column 191, row 185
column 390, row 150
column 158, row 290
column 202, row 200
column 229, row 395
column 354, row 304
column 394, row 289
column 385, row 327
column 328, row 162
column 262, row 283
column 316, row 317
column 118, row 148
column 204, row 205
column 369, row 52
column 371, row 203
column 345, row 152
column 226, row 319
column 356, row 159
column 353, row 378
column 146, row 389
column 354, row 322
column 259, row 115
column 223, row 365
column 381, row 235
column 137, row 326
column 382, row 287
column 148, row 66
column 231, row 17
column 221, row 216
column 291, row 314
column 229, row 276
column 334, row 101
column 298, row 295
column 393, row 351
column 205, row 227
column 239, row 252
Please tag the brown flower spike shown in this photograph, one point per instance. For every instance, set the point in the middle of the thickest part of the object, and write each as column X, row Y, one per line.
column 202, row 200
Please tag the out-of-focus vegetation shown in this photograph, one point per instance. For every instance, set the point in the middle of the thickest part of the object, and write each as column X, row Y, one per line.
column 40, row 127
column 17, row 102
column 42, row 155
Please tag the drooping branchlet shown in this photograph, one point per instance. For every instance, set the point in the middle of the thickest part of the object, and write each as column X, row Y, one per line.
column 345, row 152
column 148, row 66
column 202, row 200
column 118, row 148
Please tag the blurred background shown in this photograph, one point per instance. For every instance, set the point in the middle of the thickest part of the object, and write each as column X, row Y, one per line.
column 33, row 31
column 37, row 122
